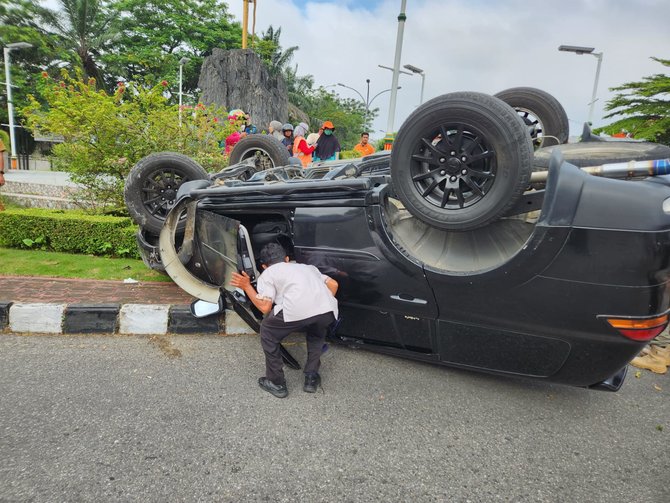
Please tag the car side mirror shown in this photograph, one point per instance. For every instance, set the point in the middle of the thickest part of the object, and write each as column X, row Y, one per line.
column 202, row 308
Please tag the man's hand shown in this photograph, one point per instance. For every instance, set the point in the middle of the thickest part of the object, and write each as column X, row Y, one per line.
column 332, row 285
column 242, row 281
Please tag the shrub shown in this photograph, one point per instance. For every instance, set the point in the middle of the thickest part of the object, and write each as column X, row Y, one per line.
column 70, row 231
column 5, row 139
column 350, row 154
column 105, row 135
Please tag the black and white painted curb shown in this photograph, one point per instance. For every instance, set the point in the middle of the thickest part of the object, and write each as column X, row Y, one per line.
column 130, row 319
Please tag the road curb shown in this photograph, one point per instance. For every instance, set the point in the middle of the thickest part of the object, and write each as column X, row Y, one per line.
column 91, row 318
column 127, row 319
column 4, row 314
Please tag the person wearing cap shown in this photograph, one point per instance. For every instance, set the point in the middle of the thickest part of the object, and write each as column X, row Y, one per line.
column 364, row 147
column 249, row 128
column 287, row 140
column 304, row 301
column 301, row 149
column 328, row 148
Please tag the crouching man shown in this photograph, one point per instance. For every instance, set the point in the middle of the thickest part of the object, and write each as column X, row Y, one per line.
column 304, row 301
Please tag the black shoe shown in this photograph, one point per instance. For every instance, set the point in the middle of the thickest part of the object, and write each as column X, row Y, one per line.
column 312, row 381
column 278, row 390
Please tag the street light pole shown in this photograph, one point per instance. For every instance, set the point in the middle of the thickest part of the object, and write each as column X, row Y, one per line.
column 396, row 67
column 182, row 62
column 10, row 104
column 366, row 101
column 579, row 50
column 418, row 71
column 598, row 55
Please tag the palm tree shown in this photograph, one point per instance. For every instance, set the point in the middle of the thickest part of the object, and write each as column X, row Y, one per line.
column 86, row 27
column 271, row 53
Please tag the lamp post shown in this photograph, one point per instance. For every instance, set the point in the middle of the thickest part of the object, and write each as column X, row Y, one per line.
column 579, row 50
column 402, row 17
column 10, row 105
column 389, row 68
column 182, row 62
column 366, row 100
column 418, row 71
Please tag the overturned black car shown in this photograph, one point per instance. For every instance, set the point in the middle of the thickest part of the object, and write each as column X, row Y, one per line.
column 464, row 246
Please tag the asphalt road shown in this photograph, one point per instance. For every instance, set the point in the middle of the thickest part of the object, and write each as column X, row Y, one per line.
column 182, row 419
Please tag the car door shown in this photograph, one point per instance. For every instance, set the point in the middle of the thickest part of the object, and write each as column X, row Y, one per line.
column 384, row 298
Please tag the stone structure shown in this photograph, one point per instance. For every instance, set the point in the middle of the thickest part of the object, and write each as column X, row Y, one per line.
column 238, row 79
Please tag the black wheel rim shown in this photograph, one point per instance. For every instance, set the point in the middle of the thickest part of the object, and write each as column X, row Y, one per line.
column 533, row 124
column 262, row 159
column 453, row 167
column 159, row 191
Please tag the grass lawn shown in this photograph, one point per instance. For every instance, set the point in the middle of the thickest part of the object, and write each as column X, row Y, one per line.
column 17, row 262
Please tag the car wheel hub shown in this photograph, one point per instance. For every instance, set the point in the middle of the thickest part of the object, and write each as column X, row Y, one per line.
column 455, row 168
column 160, row 191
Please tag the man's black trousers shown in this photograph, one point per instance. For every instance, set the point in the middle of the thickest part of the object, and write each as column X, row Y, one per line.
column 274, row 329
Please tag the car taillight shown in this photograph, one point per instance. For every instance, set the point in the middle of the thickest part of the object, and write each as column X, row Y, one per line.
column 639, row 329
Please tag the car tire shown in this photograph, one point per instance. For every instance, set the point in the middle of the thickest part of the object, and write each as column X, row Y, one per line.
column 472, row 178
column 266, row 151
column 152, row 184
column 147, row 244
column 543, row 115
column 595, row 153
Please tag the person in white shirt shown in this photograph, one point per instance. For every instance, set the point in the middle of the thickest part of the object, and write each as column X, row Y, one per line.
column 304, row 300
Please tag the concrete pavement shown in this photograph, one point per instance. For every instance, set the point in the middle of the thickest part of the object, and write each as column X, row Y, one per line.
column 160, row 418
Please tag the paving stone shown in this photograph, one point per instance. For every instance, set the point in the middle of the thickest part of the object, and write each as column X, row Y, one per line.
column 73, row 291
column 36, row 318
column 91, row 318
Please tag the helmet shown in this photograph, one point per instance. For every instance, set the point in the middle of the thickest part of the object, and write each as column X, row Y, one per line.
column 328, row 125
column 287, row 127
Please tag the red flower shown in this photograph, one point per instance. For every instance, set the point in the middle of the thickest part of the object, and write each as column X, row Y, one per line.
column 45, row 75
column 164, row 83
column 62, row 84
column 215, row 119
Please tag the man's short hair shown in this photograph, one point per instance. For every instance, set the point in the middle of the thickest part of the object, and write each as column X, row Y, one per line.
column 272, row 253
column 365, row 133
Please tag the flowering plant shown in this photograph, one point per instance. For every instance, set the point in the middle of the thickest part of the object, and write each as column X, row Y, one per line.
column 104, row 135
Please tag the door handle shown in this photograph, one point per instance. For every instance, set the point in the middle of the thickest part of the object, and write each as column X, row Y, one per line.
column 404, row 297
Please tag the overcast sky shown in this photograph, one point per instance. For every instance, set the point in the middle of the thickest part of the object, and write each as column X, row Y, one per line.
column 473, row 45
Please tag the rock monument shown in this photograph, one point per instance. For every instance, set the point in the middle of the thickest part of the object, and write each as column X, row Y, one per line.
column 237, row 78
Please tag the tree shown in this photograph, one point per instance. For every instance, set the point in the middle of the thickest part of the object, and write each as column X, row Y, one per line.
column 299, row 87
column 271, row 53
column 22, row 21
column 105, row 134
column 348, row 115
column 155, row 34
column 86, row 27
column 644, row 107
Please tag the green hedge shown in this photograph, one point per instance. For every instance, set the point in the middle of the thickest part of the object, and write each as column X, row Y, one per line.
column 70, row 231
